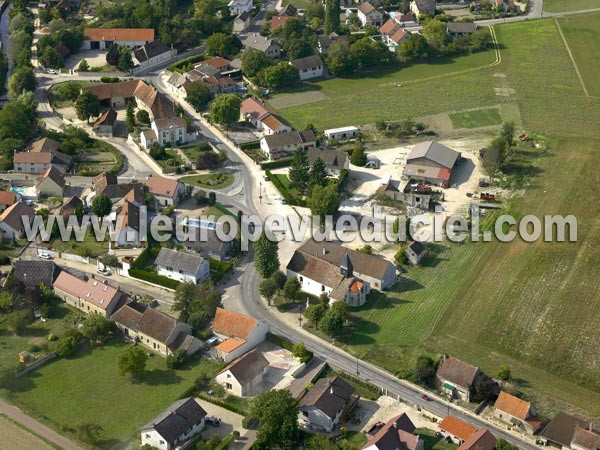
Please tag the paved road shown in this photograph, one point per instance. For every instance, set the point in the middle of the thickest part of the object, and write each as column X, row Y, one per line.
column 38, row 428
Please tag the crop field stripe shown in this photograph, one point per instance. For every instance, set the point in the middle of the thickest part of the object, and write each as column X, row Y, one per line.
column 562, row 36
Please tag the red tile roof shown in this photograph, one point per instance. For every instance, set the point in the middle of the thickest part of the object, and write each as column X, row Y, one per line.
column 233, row 324
column 482, row 440
column 118, row 34
column 7, row 198
column 162, row 186
column 512, row 405
column 278, row 22
column 457, row 427
column 92, row 291
column 230, row 345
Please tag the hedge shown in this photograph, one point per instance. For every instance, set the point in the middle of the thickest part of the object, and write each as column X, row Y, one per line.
column 284, row 162
column 154, row 278
column 221, row 403
column 225, row 442
column 288, row 345
column 284, row 192
column 175, row 67
column 250, row 145
column 343, row 178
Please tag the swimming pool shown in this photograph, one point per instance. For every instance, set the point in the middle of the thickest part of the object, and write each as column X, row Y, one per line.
column 19, row 189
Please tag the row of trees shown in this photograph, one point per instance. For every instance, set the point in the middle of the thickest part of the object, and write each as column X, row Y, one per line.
column 344, row 57
column 62, row 35
column 495, row 155
column 304, row 177
column 330, row 318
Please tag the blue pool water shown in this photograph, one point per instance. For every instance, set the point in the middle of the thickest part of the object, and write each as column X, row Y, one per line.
column 18, row 189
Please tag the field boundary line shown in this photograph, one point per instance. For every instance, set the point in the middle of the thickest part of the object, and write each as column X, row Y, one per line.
column 458, row 72
column 581, row 81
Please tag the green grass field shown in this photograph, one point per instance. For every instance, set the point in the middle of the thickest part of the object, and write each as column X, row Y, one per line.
column 366, row 97
column 88, row 247
column 211, row 180
column 569, row 5
column 88, row 388
column 583, row 36
column 476, row 118
column 532, row 306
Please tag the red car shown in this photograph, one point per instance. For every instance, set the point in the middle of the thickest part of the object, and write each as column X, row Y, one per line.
column 424, row 397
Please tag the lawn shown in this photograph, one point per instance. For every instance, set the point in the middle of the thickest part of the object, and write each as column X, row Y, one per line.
column 36, row 335
column 193, row 152
column 281, row 180
column 366, row 97
column 476, row 118
column 569, row 5
column 210, row 181
column 171, row 160
column 56, row 94
column 87, row 388
column 583, row 36
column 432, row 442
column 88, row 247
column 532, row 306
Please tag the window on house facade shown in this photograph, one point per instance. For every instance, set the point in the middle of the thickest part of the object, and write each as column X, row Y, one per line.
column 228, row 386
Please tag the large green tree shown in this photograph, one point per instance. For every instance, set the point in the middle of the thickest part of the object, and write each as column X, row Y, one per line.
column 132, row 361
column 299, row 172
column 435, row 32
column 87, row 105
column 318, row 174
column 130, row 118
column 414, row 48
column 324, row 200
column 253, row 61
column 493, row 157
column 279, row 75
column 277, row 418
column 22, row 79
column 332, row 16
column 198, row 96
column 197, row 303
column 225, row 109
column 221, row 44
column 266, row 256
column 339, row 58
column 268, row 289
column 101, row 205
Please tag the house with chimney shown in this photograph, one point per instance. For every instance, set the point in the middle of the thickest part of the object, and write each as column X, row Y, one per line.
column 397, row 434
column 341, row 273
column 51, row 183
column 281, row 145
column 323, row 405
column 369, row 15
column 151, row 54
column 128, row 230
column 393, row 33
column 91, row 296
column 456, row 430
column 42, row 154
column 516, row 412
column 181, row 266
column 267, row 45
column 245, row 374
column 166, row 191
column 155, row 330
column 238, row 334
column 423, row 7
column 585, row 439
column 176, row 424
column 560, row 431
column 255, row 112
column 335, row 160
column 456, row 378
column 12, row 220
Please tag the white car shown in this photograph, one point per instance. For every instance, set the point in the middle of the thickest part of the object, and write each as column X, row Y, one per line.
column 102, row 271
column 52, row 71
column 45, row 255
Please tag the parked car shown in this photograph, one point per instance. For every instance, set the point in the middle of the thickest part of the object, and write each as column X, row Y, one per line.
column 52, row 71
column 103, row 271
column 45, row 255
column 212, row 420
column 424, row 397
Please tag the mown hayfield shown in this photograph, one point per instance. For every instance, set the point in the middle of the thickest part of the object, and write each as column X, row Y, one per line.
column 583, row 37
column 16, row 437
column 569, row 5
column 476, row 118
column 533, row 306
column 366, row 97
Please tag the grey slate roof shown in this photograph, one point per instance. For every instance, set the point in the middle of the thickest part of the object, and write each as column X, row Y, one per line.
column 332, row 158
column 329, row 395
column 34, row 273
column 417, row 247
column 187, row 262
column 562, row 428
column 150, row 50
column 258, row 42
column 436, row 152
column 177, row 418
column 243, row 16
column 457, row 371
column 309, row 62
column 289, row 138
column 247, row 367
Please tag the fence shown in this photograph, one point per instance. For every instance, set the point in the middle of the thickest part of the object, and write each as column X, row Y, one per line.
column 34, row 365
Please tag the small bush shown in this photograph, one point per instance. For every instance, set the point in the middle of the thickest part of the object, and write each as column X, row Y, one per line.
column 154, row 278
